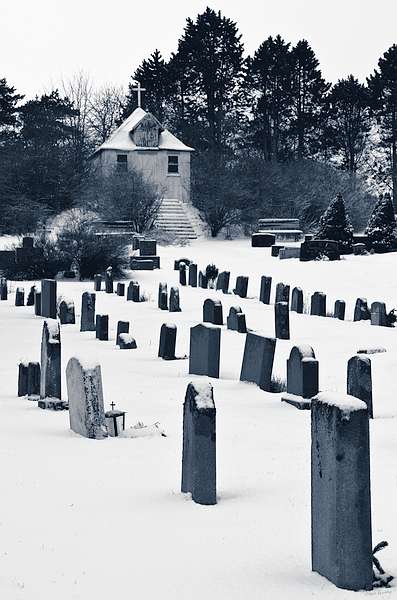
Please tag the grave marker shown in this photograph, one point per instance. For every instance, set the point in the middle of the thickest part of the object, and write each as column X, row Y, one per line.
column 297, row 300
column 193, row 275
column 87, row 322
column 258, row 360
column 182, row 273
column 34, row 381
column 236, row 320
column 122, row 327
column 20, row 297
column 97, row 282
column 205, row 342
column 282, row 293
column 302, row 377
column 120, row 289
column 102, row 327
column 126, row 342
column 50, row 376
column 318, row 305
column 281, row 320
column 222, row 282
column 359, row 380
column 361, row 311
column 202, row 280
column 340, row 309
column 22, row 379
column 212, row 312
column 241, row 286
column 49, row 298
column 37, row 304
column 266, row 286
column 174, row 300
column 30, row 298
column 167, row 341
column 379, row 314
column 163, row 296
column 3, row 289
column 109, row 280
column 66, row 312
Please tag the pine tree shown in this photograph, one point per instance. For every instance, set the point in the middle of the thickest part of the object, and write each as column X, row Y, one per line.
column 8, row 105
column 381, row 225
column 335, row 224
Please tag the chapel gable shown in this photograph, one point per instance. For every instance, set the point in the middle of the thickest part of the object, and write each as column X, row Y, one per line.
column 147, row 133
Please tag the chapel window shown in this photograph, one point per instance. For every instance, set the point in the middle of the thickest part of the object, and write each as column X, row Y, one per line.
column 122, row 162
column 173, row 164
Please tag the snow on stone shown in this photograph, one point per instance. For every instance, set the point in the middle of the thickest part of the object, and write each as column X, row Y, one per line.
column 343, row 401
column 204, row 397
column 53, row 331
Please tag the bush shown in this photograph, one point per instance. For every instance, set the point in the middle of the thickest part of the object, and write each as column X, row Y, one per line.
column 211, row 272
column 45, row 267
column 381, row 225
column 335, row 225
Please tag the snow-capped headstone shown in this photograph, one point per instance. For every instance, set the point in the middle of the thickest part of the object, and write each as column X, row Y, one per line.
column 109, row 280
column 359, row 380
column 341, row 497
column 37, row 303
column 50, row 379
column 20, row 297
column 87, row 322
column 85, row 396
column 22, row 379
column 202, row 280
column 222, row 282
column 174, row 300
column 318, row 306
column 167, row 341
column 102, row 327
column 120, row 289
column 3, row 289
column 378, row 314
column 361, row 310
column 241, row 286
column 212, row 312
column 340, row 309
column 297, row 300
column 281, row 320
column 266, row 286
column 236, row 320
column 49, row 298
column 163, row 296
column 97, row 282
column 258, row 360
column 122, row 327
column 34, row 380
column 30, row 298
column 204, row 355
column 66, row 312
column 177, row 263
column 199, row 444
column 193, row 275
column 302, row 377
column 282, row 293
column 182, row 273
column 126, row 342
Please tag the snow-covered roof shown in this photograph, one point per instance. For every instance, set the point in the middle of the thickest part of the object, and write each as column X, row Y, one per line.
column 122, row 140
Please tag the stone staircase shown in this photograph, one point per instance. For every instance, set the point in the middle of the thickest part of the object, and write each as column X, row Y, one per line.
column 177, row 219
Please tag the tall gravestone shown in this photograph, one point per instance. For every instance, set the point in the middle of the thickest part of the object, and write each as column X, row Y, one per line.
column 34, row 380
column 359, row 380
column 241, row 286
column 66, row 312
column 318, row 305
column 109, row 280
column 193, row 275
column 379, row 314
column 361, row 310
column 133, row 291
column 204, row 355
column 174, row 300
column 199, row 444
column 49, row 298
column 20, row 297
column 22, row 379
column 236, row 320
column 266, row 286
column 281, row 320
column 297, row 300
column 50, row 377
column 87, row 322
column 167, row 341
column 212, row 312
column 37, row 304
column 282, row 293
column 162, row 299
column 102, row 327
column 97, row 282
column 302, row 377
column 258, row 360
column 182, row 273
column 3, row 289
column 222, row 282
column 340, row 310
column 85, row 395
column 120, row 289
column 30, row 298
column 202, row 280
column 122, row 327
column 341, row 497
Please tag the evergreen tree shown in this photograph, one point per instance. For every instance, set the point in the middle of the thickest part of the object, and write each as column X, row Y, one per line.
column 8, row 105
column 381, row 225
column 335, row 224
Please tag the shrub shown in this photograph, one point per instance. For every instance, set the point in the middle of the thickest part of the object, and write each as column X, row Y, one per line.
column 211, row 272
column 45, row 267
column 335, row 225
column 381, row 225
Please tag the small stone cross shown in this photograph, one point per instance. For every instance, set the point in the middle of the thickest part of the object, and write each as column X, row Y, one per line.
column 112, row 405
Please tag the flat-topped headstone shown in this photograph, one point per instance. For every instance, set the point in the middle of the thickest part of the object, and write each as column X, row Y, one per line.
column 318, row 305
column 122, row 327
column 297, row 300
column 148, row 247
column 341, row 497
column 193, row 275
column 266, row 286
column 174, row 300
column 262, row 240
column 182, row 273
column 97, row 282
column 85, row 395
column 30, row 298
column 281, row 320
column 222, row 282
column 282, row 292
column 49, row 298
column 315, row 249
column 241, row 286
column 133, row 291
column 22, row 379
column 202, row 280
column 34, row 380
column 120, row 289
column 340, row 309
column 102, row 327
column 236, row 320
column 199, row 443
column 37, row 303
column 20, row 297
column 212, row 312
column 379, row 314
column 66, row 312
column 302, row 377
column 289, row 252
column 359, row 380
column 87, row 322
column 50, row 382
column 3, row 289
column 361, row 310
column 167, row 341
column 204, row 356
column 359, row 249
column 258, row 360
column 126, row 342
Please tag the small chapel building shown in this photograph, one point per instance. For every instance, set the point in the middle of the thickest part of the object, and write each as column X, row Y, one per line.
column 141, row 142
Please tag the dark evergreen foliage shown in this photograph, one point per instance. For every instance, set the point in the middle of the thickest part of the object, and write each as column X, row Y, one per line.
column 335, row 225
column 381, row 225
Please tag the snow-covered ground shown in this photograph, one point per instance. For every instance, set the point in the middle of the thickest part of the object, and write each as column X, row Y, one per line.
column 86, row 519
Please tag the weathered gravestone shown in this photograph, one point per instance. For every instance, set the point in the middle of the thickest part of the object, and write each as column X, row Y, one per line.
column 66, row 312
column 20, row 297
column 97, row 282
column 302, row 377
column 205, row 342
column 315, row 249
column 122, row 327
column 359, row 380
column 3, row 289
column 340, row 309
column 109, row 280
column 262, row 240
column 37, row 304
column 282, row 293
column 361, row 311
column 126, row 342
column 266, row 286
column 212, row 312
column 102, row 327
column 359, row 249
column 174, row 300
column 138, row 263
column 133, row 291
column 22, row 379
column 182, row 273
column 297, row 300
column 177, row 263
column 236, row 320
column 222, row 282
column 379, row 314
column 281, row 320
column 120, row 289
column 50, row 376
column 34, row 381
column 258, row 360
column 276, row 249
column 289, row 252
column 147, row 247
column 85, row 395
column 49, row 298
column 241, row 286
column 167, row 341
column 199, row 444
column 318, row 305
column 87, row 322
column 193, row 275
column 30, row 298
column 341, row 498
column 202, row 280
column 162, row 299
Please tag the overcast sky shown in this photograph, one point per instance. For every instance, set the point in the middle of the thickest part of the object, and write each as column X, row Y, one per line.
column 42, row 41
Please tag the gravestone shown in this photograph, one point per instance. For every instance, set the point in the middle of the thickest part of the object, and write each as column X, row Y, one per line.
column 359, row 249
column 30, row 298
column 163, row 296
column 297, row 300
column 34, row 380
column 361, row 311
column 97, row 283
column 281, row 320
column 199, row 444
column 262, row 240
column 289, row 252
column 282, row 293
column 126, row 342
column 66, row 312
column 102, row 327
column 85, row 395
column 340, row 309
column 174, row 300
column 275, row 250
column 22, row 379
column 144, row 264
column 318, row 306
column 187, row 262
column 222, row 282
column 258, row 360
column 202, row 280
column 205, row 342
column 193, row 275
column 87, row 322
column 133, row 292
column 167, row 341
column 212, row 312
column 50, row 376
column 120, row 289
column 359, row 380
column 302, row 377
column 3, row 289
column 341, row 498
column 315, row 249
column 241, row 286
column 109, row 280
column 266, row 286
column 148, row 247
column 37, row 304
column 236, row 320
column 49, row 298
column 122, row 327
column 182, row 273
column 20, row 297
column 379, row 314
column 115, row 421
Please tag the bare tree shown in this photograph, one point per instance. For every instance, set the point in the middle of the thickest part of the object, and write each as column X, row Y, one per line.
column 79, row 90
column 104, row 111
